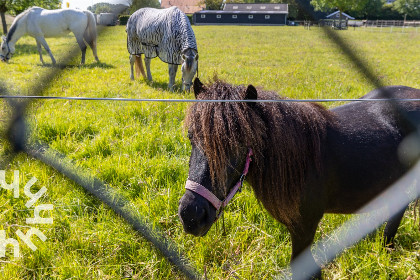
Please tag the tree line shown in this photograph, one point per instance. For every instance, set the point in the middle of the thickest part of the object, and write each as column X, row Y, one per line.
column 134, row 5
column 298, row 9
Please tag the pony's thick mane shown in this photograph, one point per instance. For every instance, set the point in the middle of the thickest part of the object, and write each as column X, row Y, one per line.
column 286, row 139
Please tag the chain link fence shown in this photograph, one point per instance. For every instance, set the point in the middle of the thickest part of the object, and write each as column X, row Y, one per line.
column 15, row 133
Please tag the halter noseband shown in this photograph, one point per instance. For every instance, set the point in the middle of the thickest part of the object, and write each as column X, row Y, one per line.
column 216, row 202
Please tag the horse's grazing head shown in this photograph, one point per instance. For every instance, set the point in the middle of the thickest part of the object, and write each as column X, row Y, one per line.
column 6, row 50
column 221, row 134
column 189, row 68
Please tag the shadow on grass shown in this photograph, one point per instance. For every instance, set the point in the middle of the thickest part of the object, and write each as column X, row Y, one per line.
column 23, row 49
column 93, row 65
column 160, row 85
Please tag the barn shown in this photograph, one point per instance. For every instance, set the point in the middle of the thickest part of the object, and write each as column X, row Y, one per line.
column 336, row 15
column 244, row 14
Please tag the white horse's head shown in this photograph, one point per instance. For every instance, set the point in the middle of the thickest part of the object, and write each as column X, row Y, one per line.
column 6, row 50
column 189, row 68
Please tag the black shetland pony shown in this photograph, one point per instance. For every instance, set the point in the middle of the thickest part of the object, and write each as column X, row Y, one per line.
column 306, row 160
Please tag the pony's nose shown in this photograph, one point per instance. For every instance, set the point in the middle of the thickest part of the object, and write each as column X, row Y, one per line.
column 194, row 215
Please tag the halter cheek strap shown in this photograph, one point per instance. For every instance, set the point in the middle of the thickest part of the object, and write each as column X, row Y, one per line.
column 216, row 202
column 8, row 51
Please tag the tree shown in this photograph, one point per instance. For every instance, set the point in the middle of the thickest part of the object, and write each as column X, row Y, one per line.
column 410, row 8
column 15, row 7
column 3, row 10
column 138, row 4
column 373, row 10
column 340, row 5
column 212, row 4
column 100, row 8
column 107, row 8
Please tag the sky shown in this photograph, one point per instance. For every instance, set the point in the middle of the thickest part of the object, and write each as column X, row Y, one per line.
column 83, row 4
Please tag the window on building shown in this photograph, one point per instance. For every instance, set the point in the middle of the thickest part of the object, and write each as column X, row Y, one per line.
column 249, row 7
column 234, row 16
column 218, row 16
column 235, row 7
column 203, row 16
column 277, row 7
column 250, row 16
column 267, row 16
column 262, row 7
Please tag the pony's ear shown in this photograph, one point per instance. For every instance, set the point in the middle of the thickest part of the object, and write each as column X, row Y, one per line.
column 198, row 87
column 251, row 93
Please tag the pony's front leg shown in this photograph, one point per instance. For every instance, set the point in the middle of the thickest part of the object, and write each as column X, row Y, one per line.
column 392, row 227
column 172, row 73
column 39, row 46
column 302, row 237
column 149, row 73
column 42, row 41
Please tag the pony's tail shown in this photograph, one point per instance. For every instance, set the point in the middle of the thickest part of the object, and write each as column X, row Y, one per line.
column 90, row 33
column 139, row 66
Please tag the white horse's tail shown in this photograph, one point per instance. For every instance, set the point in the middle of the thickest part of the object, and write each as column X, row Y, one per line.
column 90, row 32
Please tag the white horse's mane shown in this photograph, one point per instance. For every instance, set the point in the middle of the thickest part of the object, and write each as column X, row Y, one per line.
column 19, row 16
column 15, row 22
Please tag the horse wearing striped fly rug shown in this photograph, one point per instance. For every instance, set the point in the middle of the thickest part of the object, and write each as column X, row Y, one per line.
column 165, row 33
column 41, row 23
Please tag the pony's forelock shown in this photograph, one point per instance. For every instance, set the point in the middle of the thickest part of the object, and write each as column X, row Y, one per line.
column 224, row 130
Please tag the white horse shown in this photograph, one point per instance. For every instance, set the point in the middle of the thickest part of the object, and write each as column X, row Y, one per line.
column 40, row 24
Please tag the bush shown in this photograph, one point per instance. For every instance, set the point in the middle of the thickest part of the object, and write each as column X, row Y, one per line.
column 123, row 20
column 190, row 17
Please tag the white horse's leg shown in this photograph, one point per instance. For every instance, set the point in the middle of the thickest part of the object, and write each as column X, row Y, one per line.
column 93, row 47
column 132, row 61
column 147, row 62
column 39, row 46
column 172, row 73
column 82, row 46
column 42, row 41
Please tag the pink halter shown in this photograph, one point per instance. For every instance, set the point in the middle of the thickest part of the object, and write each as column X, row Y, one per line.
column 216, row 202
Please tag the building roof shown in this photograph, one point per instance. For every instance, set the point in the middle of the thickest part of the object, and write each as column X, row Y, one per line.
column 186, row 6
column 244, row 7
column 239, row 12
column 336, row 15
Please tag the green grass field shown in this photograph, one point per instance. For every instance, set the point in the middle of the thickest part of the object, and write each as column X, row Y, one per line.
column 141, row 150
